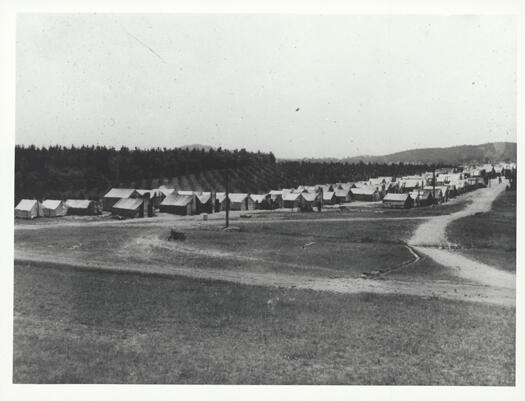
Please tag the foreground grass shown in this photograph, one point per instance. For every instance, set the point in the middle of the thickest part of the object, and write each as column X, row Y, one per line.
column 328, row 249
column 489, row 237
column 90, row 327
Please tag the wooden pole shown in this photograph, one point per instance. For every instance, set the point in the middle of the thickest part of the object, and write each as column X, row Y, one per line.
column 434, row 183
column 227, row 198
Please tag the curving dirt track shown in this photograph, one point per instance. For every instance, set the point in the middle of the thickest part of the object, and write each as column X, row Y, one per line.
column 430, row 240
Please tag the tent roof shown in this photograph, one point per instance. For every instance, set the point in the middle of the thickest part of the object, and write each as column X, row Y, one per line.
column 175, row 199
column 78, row 203
column 328, row 195
column 236, row 197
column 128, row 203
column 220, row 196
column 51, row 203
column 342, row 192
column 412, row 183
column 291, row 196
column 396, row 197
column 258, row 198
column 166, row 191
column 310, row 196
column 203, row 197
column 119, row 193
column 26, row 204
column 366, row 190
column 152, row 192
column 438, row 189
column 275, row 192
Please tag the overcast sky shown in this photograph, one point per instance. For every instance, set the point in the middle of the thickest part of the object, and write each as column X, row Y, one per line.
column 300, row 86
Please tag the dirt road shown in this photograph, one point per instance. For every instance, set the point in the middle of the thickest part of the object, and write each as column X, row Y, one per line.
column 429, row 289
column 430, row 240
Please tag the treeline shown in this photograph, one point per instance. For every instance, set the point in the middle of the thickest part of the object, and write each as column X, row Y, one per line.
column 85, row 171
column 295, row 173
column 61, row 172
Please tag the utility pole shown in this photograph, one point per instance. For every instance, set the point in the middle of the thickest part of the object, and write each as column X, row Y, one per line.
column 434, row 183
column 227, row 198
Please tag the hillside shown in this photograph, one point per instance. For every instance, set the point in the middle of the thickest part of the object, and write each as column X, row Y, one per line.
column 487, row 152
column 260, row 177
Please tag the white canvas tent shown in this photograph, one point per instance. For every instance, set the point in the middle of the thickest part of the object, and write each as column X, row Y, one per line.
column 54, row 208
column 28, row 209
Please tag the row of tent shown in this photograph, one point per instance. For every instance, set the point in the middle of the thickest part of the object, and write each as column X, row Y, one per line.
column 31, row 208
column 126, row 202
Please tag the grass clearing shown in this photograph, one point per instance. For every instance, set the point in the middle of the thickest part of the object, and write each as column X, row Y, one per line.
column 328, row 249
column 489, row 237
column 93, row 327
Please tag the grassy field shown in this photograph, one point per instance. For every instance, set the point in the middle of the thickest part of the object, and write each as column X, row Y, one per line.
column 489, row 237
column 91, row 327
column 332, row 249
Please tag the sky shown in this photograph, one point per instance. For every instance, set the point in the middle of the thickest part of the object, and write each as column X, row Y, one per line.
column 296, row 85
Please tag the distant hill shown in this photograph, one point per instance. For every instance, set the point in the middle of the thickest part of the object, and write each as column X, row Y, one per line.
column 487, row 152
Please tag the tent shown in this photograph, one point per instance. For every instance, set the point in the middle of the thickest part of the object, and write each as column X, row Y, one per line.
column 54, row 208
column 398, row 201
column 276, row 199
column 239, row 201
column 179, row 204
column 220, row 201
column 311, row 200
column 367, row 193
column 116, row 194
column 156, row 196
column 261, row 201
column 343, row 195
column 129, row 207
column 422, row 197
column 329, row 198
column 205, row 202
column 28, row 209
column 293, row 200
column 81, row 207
column 408, row 185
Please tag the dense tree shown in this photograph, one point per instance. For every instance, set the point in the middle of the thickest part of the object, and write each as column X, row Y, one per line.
column 89, row 171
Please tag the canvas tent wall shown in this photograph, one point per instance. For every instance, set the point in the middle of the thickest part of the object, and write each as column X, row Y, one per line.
column 398, row 201
column 343, row 195
column 28, row 209
column 276, row 199
column 366, row 194
column 239, row 201
column 204, row 202
column 81, row 207
column 220, row 201
column 329, row 198
column 422, row 197
column 54, row 208
column 261, row 201
column 156, row 196
column 438, row 195
column 116, row 194
column 293, row 200
column 166, row 191
column 129, row 207
column 182, row 205
column 311, row 200
column 409, row 185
